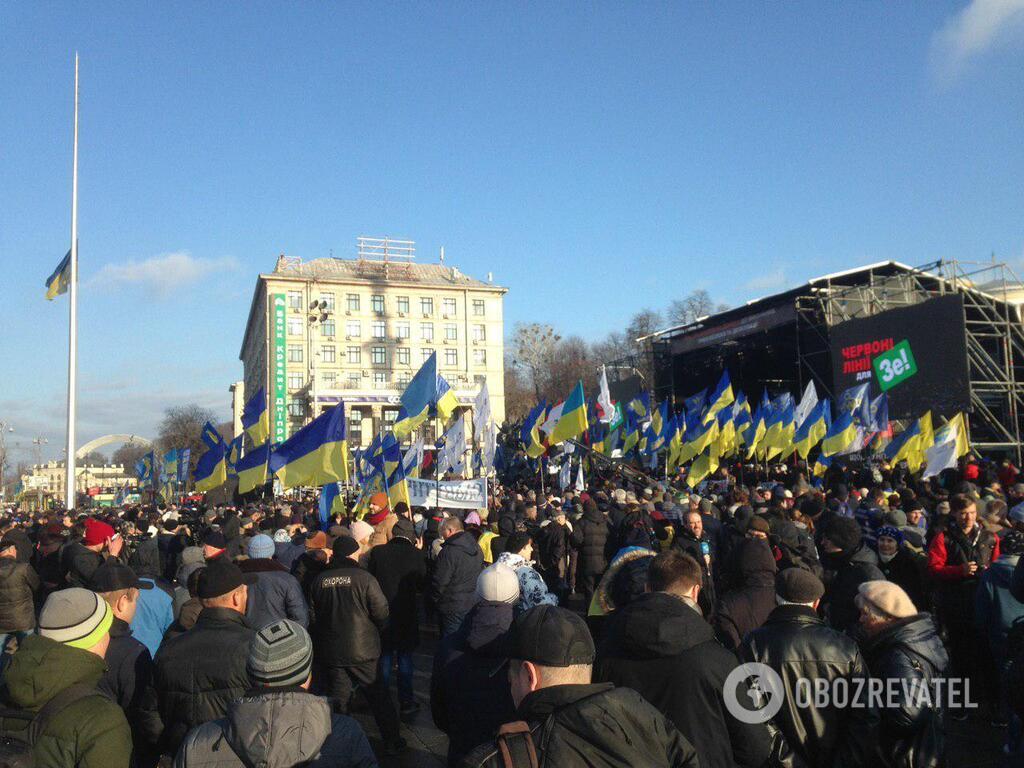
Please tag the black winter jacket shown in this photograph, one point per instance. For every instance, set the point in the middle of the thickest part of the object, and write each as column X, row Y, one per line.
column 596, row 725
column 275, row 595
column 908, row 569
column 129, row 681
column 347, row 612
column 798, row 645
column 18, row 586
column 400, row 568
column 470, row 695
column 851, row 570
column 454, row 584
column 745, row 607
column 79, row 564
column 200, row 672
column 590, row 537
column 661, row 647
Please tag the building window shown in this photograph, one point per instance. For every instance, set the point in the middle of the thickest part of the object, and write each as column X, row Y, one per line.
column 296, row 407
column 295, row 300
column 403, row 330
column 402, row 355
column 425, row 353
column 390, row 417
column 448, row 307
column 378, row 356
column 327, row 353
column 426, row 331
column 327, row 328
column 451, row 357
column 330, row 379
column 478, row 307
column 427, row 306
column 480, row 332
column 355, row 425
column 294, row 326
column 403, row 380
column 403, row 305
column 451, row 331
column 377, row 329
column 480, row 356
column 380, row 379
column 294, row 353
column 354, row 356
column 354, row 380
column 353, row 329
column 328, row 300
column 296, row 380
column 377, row 303
column 352, row 302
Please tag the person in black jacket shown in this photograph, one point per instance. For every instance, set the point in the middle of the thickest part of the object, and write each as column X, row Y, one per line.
column 589, row 537
column 129, row 676
column 903, row 647
column 798, row 646
column 850, row 563
column 693, row 541
column 660, row 646
column 275, row 594
column 468, row 699
column 347, row 612
column 453, row 588
column 902, row 565
column 19, row 585
column 199, row 672
column 745, row 607
column 400, row 567
column 81, row 559
column 571, row 721
column 552, row 542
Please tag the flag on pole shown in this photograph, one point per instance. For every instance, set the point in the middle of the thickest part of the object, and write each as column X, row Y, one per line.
column 572, row 421
column 605, row 407
column 565, row 474
column 807, row 404
column 57, row 283
column 211, row 469
column 481, row 412
column 315, row 455
column 184, row 457
column 427, row 392
column 252, row 468
column 211, row 436
column 256, row 418
column 721, row 397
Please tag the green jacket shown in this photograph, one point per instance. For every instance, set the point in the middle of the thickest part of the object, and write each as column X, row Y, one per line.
column 90, row 733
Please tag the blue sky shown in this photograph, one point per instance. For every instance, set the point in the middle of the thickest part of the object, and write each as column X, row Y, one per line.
column 573, row 149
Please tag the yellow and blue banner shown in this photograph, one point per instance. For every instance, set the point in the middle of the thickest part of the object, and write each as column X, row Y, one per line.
column 573, row 421
column 252, row 468
column 256, row 418
column 427, row 392
column 57, row 283
column 720, row 398
column 840, row 436
column 813, row 430
column 211, row 436
column 315, row 455
column 211, row 469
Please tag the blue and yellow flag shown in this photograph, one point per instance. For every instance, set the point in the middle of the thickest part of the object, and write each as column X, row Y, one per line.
column 394, row 472
column 211, row 436
column 234, row 453
column 252, row 468
column 821, row 465
column 573, row 421
column 331, row 503
column 904, row 444
column 814, row 428
column 315, row 455
column 705, row 464
column 57, row 283
column 256, row 418
column 144, row 469
column 529, row 435
column 211, row 469
column 641, row 405
column 423, row 396
column 656, row 429
column 170, row 470
column 693, row 406
column 840, row 436
column 721, row 397
column 632, row 433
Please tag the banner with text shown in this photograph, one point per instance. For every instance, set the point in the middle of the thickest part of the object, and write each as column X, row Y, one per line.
column 455, row 494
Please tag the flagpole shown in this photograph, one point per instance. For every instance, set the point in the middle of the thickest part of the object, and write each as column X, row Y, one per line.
column 69, row 463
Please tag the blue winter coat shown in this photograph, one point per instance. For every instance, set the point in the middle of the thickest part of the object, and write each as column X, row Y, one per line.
column 995, row 609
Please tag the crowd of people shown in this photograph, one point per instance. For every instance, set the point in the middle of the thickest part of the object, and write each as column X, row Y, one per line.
column 607, row 627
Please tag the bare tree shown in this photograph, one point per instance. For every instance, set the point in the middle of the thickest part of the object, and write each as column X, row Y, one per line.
column 182, row 427
column 695, row 306
column 128, row 454
column 638, row 333
column 92, row 459
column 534, row 347
column 519, row 395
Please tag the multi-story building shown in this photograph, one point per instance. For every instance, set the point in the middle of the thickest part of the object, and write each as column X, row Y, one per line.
column 98, row 481
column 357, row 330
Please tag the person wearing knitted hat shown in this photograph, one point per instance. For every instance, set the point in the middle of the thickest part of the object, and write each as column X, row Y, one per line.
column 903, row 648
column 278, row 722
column 82, row 558
column 381, row 518
column 798, row 646
column 64, row 661
column 852, row 562
column 902, row 564
column 275, row 594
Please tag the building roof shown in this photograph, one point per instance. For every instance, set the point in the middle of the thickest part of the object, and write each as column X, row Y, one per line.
column 371, row 271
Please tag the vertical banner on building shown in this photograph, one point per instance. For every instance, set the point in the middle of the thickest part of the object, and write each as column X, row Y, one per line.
column 278, row 352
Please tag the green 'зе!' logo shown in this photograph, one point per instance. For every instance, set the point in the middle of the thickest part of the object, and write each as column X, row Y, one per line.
column 895, row 366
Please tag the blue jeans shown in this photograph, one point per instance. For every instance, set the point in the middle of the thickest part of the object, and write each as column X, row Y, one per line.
column 405, row 671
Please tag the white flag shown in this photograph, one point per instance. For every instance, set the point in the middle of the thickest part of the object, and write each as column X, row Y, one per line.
column 413, row 459
column 565, row 476
column 553, row 416
column 581, row 486
column 604, row 399
column 939, row 457
column 481, row 412
column 807, row 404
column 490, row 446
column 454, row 449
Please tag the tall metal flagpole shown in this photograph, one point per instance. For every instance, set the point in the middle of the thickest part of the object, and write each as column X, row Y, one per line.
column 69, row 463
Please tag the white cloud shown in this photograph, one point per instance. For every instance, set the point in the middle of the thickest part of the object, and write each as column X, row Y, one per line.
column 770, row 281
column 981, row 26
column 163, row 274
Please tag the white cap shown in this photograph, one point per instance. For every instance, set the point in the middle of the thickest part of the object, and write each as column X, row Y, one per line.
column 498, row 584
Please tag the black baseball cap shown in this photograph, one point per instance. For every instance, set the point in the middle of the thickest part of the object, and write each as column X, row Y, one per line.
column 221, row 576
column 552, row 637
column 215, row 539
column 114, row 575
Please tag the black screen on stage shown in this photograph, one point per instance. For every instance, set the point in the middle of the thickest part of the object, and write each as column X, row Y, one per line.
column 916, row 354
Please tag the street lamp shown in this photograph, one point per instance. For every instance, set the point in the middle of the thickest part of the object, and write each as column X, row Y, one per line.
column 5, row 427
column 318, row 315
column 37, row 449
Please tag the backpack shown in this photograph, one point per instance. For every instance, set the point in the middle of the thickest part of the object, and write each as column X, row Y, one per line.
column 515, row 746
column 17, row 745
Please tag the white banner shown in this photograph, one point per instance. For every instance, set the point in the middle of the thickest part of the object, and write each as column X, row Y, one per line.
column 455, row 494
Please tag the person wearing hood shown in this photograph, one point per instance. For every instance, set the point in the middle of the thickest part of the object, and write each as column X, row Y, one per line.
column 401, row 569
column 901, row 565
column 746, row 606
column 851, row 563
column 532, row 588
column 65, row 659
column 902, row 647
column 275, row 594
column 660, row 646
column 453, row 587
column 589, row 538
column 470, row 695
column 506, row 527
column 278, row 723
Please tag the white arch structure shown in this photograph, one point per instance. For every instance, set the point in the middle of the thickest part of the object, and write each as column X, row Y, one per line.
column 99, row 442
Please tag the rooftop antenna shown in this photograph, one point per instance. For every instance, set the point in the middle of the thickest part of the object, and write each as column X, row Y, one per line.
column 442, row 254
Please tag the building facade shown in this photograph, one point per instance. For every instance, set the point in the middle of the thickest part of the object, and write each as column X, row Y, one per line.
column 100, row 482
column 356, row 331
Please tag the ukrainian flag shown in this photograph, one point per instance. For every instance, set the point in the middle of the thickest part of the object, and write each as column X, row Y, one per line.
column 720, row 398
column 704, row 465
column 754, row 435
column 211, row 469
column 530, row 433
column 394, row 472
column 917, row 454
column 315, row 455
column 814, row 428
column 675, row 441
column 656, row 430
column 840, row 436
column 331, row 502
column 693, row 406
column 428, row 391
column 698, row 437
column 632, row 435
column 573, row 421
column 57, row 283
column 776, row 427
column 211, row 436
column 447, row 402
column 256, row 418
column 641, row 405
column 252, row 468
column 904, row 444
column 821, row 465
column 234, row 454
column 726, row 431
